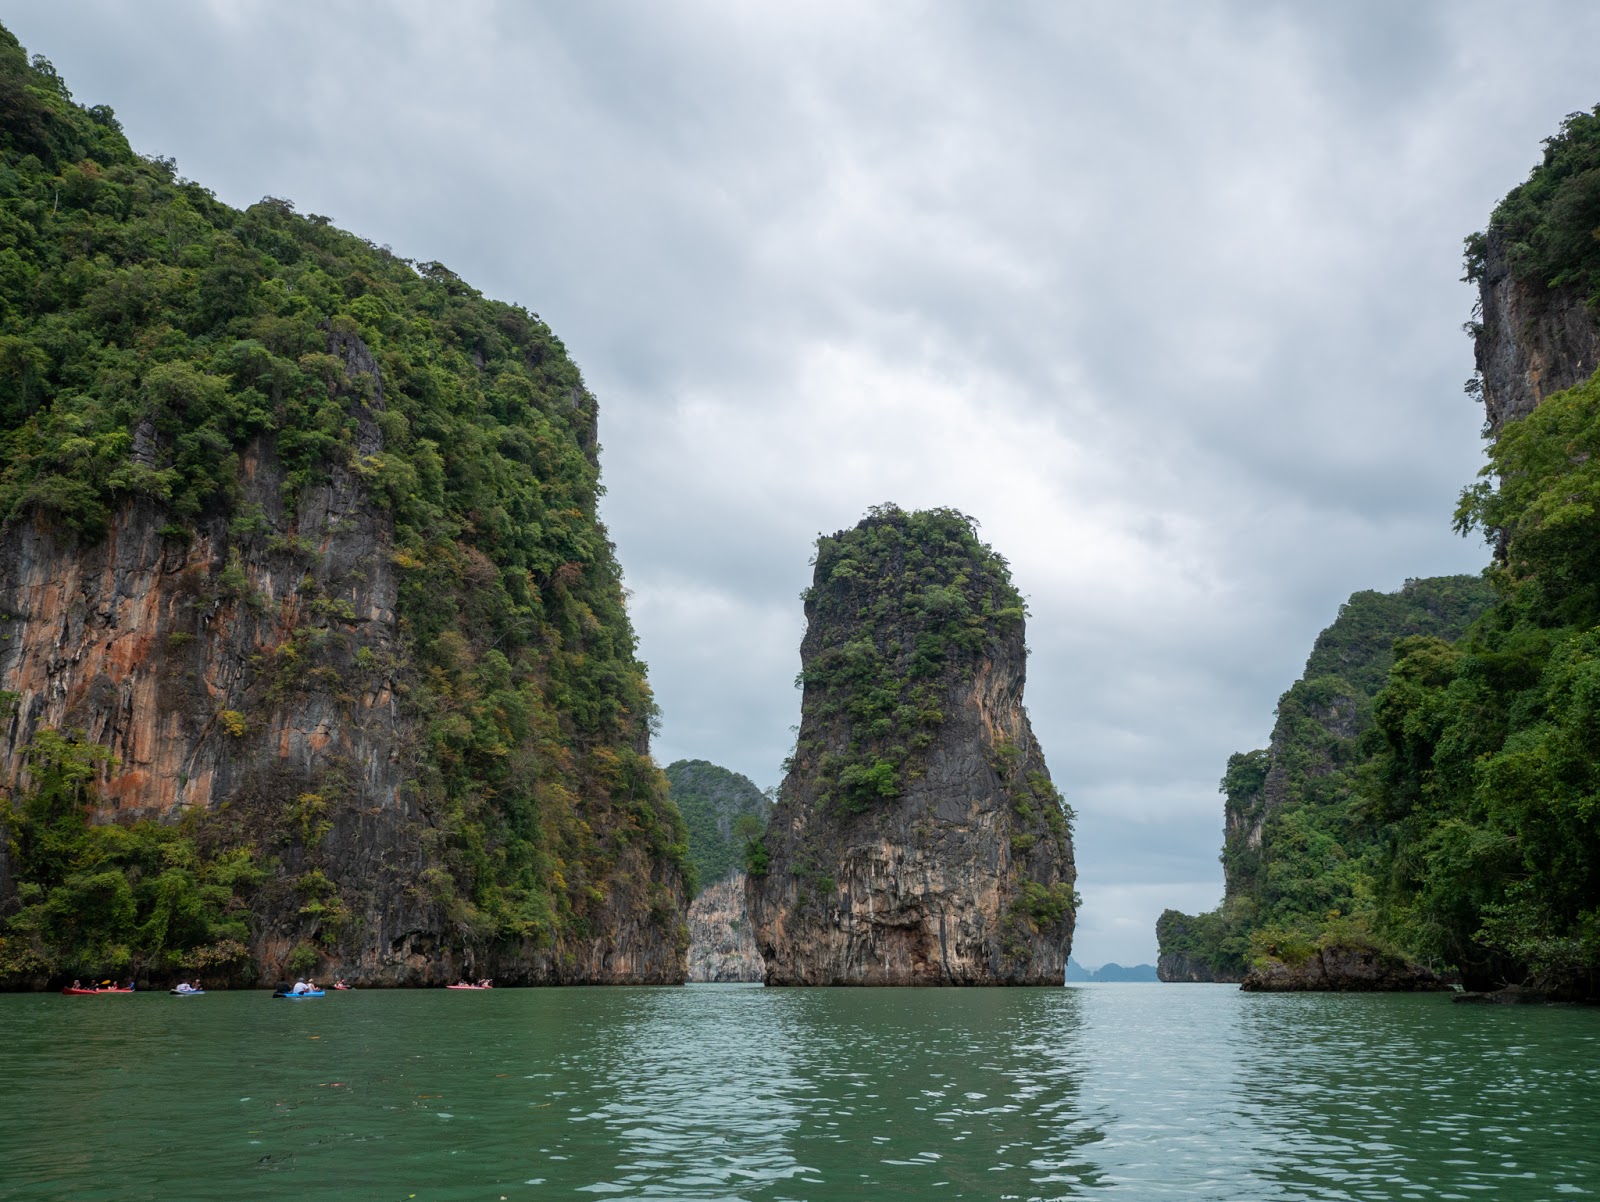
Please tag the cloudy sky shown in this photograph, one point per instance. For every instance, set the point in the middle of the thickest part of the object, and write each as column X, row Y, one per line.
column 1166, row 295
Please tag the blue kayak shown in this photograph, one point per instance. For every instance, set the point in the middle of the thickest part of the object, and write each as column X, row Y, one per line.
column 295, row 997
column 187, row 992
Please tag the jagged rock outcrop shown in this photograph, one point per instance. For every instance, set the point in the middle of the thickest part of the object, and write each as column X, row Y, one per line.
column 917, row 838
column 1181, row 967
column 1343, row 968
column 722, row 946
column 1531, row 341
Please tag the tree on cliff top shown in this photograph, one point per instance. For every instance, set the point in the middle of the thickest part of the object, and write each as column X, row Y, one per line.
column 1548, row 222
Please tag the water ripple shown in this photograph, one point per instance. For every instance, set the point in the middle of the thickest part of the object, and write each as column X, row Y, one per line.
column 738, row 1093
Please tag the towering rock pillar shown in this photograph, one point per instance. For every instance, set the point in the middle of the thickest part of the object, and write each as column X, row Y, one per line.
column 917, row 838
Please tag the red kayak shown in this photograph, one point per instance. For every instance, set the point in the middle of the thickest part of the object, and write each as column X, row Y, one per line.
column 69, row 991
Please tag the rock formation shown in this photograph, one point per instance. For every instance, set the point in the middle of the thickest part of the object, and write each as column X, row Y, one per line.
column 1342, row 968
column 299, row 550
column 722, row 810
column 722, row 946
column 1532, row 340
column 917, row 838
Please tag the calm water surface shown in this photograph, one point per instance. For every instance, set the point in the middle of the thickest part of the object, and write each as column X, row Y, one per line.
column 735, row 1092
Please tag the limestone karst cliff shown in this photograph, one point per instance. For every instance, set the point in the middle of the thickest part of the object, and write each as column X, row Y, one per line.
column 917, row 838
column 313, row 654
column 1294, row 846
column 722, row 945
column 721, row 811
column 1531, row 339
column 1457, row 826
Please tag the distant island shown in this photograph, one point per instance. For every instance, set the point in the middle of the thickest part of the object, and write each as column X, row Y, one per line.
column 1077, row 973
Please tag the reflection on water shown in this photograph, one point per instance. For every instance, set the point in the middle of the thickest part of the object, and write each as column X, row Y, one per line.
column 701, row 1098
column 733, row 1092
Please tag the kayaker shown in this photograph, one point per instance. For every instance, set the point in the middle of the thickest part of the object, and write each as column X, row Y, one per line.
column 76, row 985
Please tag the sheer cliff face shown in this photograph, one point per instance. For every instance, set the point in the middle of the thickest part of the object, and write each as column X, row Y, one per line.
column 917, row 838
column 257, row 675
column 304, row 535
column 1532, row 340
column 722, row 947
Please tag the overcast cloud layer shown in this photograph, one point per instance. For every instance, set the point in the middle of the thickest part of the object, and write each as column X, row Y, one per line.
column 1166, row 297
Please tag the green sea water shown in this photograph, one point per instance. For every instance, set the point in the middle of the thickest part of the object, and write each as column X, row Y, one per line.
column 725, row 1092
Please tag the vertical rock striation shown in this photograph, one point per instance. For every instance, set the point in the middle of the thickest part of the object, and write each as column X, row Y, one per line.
column 259, row 677
column 722, row 947
column 917, row 838
column 1532, row 340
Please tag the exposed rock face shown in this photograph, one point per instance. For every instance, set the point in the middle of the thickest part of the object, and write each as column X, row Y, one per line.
column 722, row 947
column 1532, row 341
column 1343, row 968
column 1176, row 966
column 249, row 666
column 917, row 839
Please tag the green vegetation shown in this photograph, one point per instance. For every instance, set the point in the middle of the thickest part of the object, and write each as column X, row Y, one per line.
column 1547, row 224
column 1463, row 826
column 114, row 900
column 1302, row 851
column 1489, row 771
column 723, row 812
column 151, row 337
column 923, row 598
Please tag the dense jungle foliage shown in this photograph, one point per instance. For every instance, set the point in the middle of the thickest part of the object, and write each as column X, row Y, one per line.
column 922, row 598
column 724, row 813
column 1302, row 856
column 1487, row 775
column 1547, row 224
column 113, row 899
column 150, row 334
column 1477, row 789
